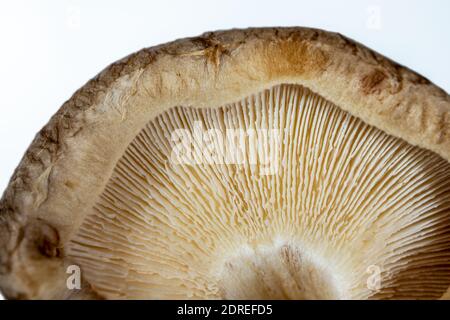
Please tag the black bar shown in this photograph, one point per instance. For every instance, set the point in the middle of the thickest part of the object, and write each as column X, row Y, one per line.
column 226, row 309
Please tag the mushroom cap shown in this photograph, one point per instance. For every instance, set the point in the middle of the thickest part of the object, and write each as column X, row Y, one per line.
column 71, row 160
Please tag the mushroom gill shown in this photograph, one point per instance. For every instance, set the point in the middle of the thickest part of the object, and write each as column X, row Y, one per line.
column 311, row 201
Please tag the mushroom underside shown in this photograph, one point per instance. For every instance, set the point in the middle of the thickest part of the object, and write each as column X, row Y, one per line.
column 282, row 195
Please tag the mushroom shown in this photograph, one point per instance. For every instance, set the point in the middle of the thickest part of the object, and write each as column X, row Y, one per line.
column 267, row 163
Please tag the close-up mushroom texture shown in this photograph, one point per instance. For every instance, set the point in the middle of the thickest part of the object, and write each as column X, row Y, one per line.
column 354, row 185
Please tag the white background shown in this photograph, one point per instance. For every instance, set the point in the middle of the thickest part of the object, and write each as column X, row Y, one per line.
column 48, row 49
